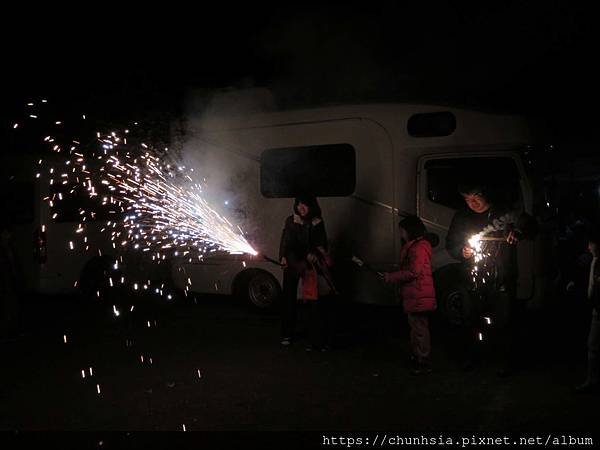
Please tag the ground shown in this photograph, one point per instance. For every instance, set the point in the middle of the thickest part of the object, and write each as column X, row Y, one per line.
column 218, row 365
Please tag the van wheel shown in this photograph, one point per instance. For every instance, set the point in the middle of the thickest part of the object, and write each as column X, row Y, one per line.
column 258, row 288
column 456, row 305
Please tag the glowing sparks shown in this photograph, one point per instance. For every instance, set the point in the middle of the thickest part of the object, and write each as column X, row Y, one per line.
column 65, row 338
column 98, row 389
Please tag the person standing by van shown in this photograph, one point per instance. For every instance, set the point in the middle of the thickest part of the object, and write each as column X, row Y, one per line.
column 416, row 290
column 498, row 293
column 303, row 250
column 592, row 380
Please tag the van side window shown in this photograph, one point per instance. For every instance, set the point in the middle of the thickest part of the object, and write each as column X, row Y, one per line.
column 75, row 199
column 17, row 199
column 433, row 124
column 499, row 174
column 319, row 170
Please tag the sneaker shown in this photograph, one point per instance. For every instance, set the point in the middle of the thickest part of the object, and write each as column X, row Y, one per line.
column 286, row 341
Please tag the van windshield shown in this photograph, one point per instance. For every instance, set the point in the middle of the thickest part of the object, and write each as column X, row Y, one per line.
column 499, row 175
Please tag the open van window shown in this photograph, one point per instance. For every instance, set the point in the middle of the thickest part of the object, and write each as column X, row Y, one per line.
column 499, row 174
column 319, row 170
column 17, row 199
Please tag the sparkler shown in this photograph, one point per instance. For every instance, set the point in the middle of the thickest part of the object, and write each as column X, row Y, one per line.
column 482, row 258
column 157, row 206
column 154, row 204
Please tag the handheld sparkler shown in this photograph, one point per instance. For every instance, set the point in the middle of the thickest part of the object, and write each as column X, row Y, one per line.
column 271, row 260
column 360, row 263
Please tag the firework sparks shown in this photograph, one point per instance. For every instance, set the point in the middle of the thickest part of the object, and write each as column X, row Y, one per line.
column 157, row 206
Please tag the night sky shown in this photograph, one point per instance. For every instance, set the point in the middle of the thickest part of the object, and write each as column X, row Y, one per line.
column 535, row 59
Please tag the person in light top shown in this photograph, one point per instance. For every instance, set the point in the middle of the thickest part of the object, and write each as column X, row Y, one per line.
column 591, row 382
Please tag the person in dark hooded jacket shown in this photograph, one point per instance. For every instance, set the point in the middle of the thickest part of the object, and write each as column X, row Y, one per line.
column 303, row 252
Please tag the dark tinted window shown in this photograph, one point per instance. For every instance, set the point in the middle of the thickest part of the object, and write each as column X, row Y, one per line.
column 499, row 176
column 17, row 200
column 69, row 200
column 319, row 170
column 431, row 124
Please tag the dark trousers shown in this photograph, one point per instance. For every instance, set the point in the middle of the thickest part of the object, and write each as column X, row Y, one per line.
column 318, row 312
column 289, row 307
column 593, row 369
column 420, row 340
column 495, row 317
column 319, row 322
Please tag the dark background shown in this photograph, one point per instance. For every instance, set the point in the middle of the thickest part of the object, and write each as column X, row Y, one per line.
column 117, row 64
column 532, row 58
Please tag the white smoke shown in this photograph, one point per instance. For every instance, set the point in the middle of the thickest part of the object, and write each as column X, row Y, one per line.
column 222, row 165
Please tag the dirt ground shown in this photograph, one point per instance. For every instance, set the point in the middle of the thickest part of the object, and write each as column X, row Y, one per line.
column 218, row 365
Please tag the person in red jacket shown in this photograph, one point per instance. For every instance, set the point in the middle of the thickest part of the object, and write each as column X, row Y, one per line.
column 416, row 289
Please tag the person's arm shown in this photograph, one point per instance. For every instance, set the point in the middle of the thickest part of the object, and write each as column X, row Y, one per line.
column 284, row 243
column 417, row 257
column 526, row 227
column 320, row 236
column 456, row 237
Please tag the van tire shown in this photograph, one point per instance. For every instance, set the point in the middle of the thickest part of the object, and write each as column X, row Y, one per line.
column 257, row 288
column 454, row 302
column 456, row 305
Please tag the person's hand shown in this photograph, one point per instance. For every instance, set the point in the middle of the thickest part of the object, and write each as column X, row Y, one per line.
column 283, row 262
column 311, row 258
column 467, row 252
column 387, row 277
column 570, row 286
column 512, row 238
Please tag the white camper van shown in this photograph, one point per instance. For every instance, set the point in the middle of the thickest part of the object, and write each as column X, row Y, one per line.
column 370, row 165
column 51, row 256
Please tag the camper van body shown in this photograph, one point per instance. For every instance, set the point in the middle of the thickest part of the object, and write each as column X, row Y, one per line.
column 52, row 256
column 391, row 179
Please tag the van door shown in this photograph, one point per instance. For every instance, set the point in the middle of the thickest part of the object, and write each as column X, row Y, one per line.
column 439, row 176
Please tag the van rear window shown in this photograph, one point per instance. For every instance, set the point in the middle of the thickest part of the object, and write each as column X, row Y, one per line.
column 17, row 200
column 318, row 170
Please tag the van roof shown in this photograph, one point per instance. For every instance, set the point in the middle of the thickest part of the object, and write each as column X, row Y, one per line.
column 372, row 111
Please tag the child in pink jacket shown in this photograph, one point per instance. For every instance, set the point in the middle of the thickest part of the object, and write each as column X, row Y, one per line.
column 416, row 289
